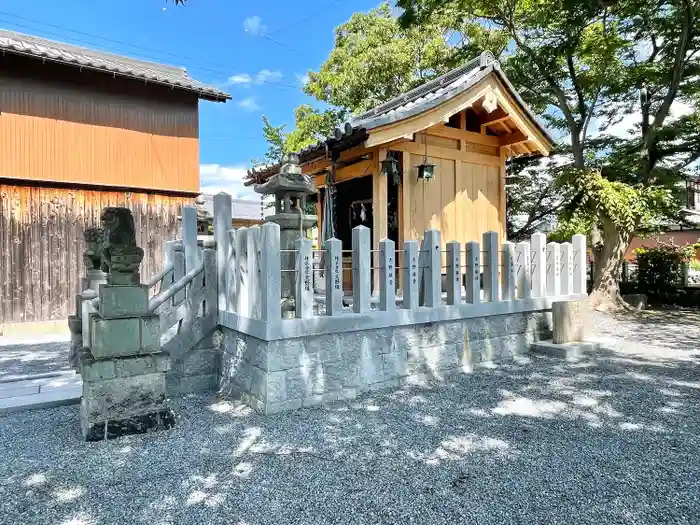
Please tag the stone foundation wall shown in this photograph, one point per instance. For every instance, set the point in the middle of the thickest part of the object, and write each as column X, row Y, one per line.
column 273, row 376
column 195, row 370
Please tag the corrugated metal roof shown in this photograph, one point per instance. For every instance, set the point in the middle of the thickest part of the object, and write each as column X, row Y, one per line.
column 60, row 52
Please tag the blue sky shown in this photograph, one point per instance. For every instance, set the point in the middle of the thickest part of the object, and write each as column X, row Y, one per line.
column 253, row 50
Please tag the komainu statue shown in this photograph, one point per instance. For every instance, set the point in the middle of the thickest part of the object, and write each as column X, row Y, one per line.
column 121, row 257
column 92, row 256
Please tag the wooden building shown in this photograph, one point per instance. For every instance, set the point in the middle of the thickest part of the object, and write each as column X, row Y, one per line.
column 464, row 124
column 80, row 130
column 244, row 213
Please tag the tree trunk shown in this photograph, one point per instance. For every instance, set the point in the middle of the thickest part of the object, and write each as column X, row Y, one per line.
column 608, row 254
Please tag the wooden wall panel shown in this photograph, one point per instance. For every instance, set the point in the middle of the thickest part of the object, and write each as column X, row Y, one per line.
column 41, row 243
column 463, row 200
column 55, row 132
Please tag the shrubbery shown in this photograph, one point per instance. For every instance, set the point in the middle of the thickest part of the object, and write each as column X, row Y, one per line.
column 662, row 269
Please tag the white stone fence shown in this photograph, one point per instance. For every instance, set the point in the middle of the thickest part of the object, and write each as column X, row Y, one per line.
column 518, row 277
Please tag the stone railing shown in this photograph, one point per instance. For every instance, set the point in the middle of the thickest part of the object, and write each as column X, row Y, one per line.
column 430, row 284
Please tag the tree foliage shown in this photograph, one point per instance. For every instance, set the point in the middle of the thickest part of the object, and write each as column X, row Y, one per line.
column 585, row 66
column 373, row 60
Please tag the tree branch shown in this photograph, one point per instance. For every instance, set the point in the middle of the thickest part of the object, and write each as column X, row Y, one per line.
column 676, row 77
column 574, row 81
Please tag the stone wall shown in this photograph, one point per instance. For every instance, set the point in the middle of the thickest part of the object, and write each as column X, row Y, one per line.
column 273, row 376
column 195, row 369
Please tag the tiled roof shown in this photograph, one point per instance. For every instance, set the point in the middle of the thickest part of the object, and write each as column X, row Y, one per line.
column 438, row 91
column 18, row 43
column 241, row 209
column 423, row 98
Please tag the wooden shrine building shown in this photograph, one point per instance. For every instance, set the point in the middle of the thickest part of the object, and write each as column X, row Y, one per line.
column 450, row 139
column 82, row 129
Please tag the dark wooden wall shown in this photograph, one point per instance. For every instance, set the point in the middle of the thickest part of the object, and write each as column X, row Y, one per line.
column 41, row 243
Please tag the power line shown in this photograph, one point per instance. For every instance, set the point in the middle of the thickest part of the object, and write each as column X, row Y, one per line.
column 307, row 18
column 193, row 62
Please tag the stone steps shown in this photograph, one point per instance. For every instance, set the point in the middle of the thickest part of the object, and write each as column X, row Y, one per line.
column 49, row 390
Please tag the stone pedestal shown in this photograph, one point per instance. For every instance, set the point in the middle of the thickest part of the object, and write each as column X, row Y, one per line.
column 124, row 370
column 570, row 323
column 122, row 366
column 570, row 320
column 123, row 395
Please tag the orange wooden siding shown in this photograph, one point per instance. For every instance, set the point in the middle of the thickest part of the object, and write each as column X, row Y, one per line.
column 53, row 131
column 41, row 243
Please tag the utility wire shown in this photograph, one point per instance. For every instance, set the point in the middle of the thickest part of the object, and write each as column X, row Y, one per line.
column 305, row 19
column 193, row 62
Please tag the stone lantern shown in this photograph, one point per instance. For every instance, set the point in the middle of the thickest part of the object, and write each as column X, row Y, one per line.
column 291, row 190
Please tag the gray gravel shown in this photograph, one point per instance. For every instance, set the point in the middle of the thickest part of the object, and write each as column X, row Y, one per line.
column 612, row 439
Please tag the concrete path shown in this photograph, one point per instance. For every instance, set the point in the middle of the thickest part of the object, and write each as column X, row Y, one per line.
column 34, row 373
column 39, row 391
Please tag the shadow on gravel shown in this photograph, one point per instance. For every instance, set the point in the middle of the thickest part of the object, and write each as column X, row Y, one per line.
column 675, row 329
column 613, row 438
column 33, row 357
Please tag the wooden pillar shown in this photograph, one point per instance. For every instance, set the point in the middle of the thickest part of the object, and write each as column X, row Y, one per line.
column 319, row 214
column 502, row 196
column 380, row 201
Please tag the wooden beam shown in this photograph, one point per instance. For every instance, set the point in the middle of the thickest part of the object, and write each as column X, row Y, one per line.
column 502, row 196
column 469, row 136
column 463, row 120
column 359, row 169
column 407, row 187
column 345, row 156
column 521, row 120
column 513, row 138
column 495, row 116
column 445, row 153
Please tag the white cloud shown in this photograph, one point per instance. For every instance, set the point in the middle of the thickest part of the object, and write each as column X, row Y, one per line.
column 249, row 104
column 262, row 76
column 302, row 78
column 265, row 75
column 240, row 78
column 214, row 178
column 625, row 127
column 254, row 25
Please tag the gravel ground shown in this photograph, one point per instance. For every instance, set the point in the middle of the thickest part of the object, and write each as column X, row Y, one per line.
column 33, row 355
column 612, row 439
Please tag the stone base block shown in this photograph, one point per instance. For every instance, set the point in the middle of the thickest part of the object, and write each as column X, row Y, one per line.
column 162, row 419
column 123, row 301
column 125, row 395
column 571, row 321
column 127, row 336
column 569, row 351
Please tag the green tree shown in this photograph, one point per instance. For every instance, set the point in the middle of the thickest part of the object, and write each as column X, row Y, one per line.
column 276, row 140
column 373, row 60
column 581, row 65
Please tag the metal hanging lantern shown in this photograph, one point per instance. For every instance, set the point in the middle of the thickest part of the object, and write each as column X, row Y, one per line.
column 426, row 171
column 390, row 168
